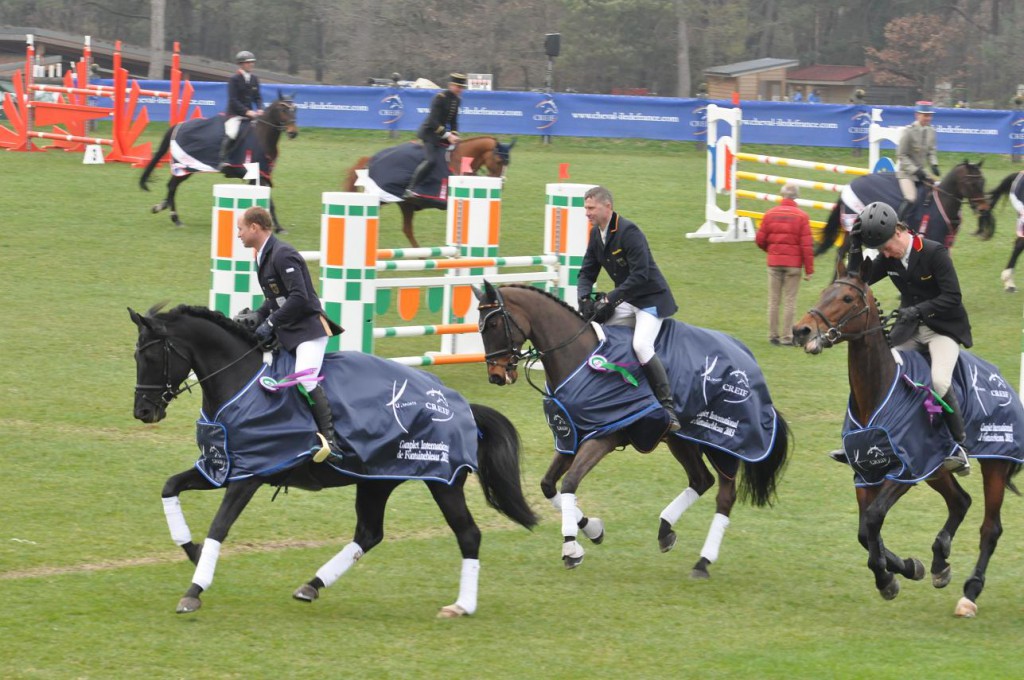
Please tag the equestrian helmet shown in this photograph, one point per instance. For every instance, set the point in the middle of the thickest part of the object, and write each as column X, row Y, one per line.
column 245, row 57
column 458, row 79
column 877, row 223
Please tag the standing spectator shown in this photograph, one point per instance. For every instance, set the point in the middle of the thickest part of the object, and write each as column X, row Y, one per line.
column 244, row 104
column 797, row 96
column 916, row 154
column 785, row 234
column 439, row 130
column 814, row 97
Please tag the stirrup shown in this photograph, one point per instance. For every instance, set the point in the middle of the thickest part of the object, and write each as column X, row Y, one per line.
column 325, row 451
column 958, row 463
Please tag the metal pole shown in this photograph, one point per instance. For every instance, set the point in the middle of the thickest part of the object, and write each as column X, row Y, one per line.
column 546, row 139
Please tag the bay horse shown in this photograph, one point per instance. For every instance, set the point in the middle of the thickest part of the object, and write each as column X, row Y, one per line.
column 1012, row 186
column 225, row 358
column 194, row 146
column 487, row 155
column 514, row 314
column 936, row 216
column 847, row 311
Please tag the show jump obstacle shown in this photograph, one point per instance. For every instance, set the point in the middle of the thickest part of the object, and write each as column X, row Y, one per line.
column 723, row 153
column 68, row 117
column 360, row 282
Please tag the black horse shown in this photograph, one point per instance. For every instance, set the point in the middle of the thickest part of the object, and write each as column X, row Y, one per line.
column 936, row 215
column 194, row 146
column 514, row 314
column 1012, row 186
column 225, row 358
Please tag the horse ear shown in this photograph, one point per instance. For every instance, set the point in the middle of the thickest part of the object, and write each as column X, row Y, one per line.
column 981, row 162
column 490, row 292
column 140, row 321
column 280, row 95
column 512, row 143
column 865, row 269
column 477, row 292
column 840, row 268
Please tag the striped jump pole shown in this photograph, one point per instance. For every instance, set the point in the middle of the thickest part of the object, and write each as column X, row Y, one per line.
column 234, row 286
column 473, row 226
column 566, row 232
column 349, row 224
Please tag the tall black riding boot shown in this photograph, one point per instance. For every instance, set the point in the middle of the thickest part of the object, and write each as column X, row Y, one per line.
column 227, row 145
column 417, row 177
column 321, row 409
column 958, row 462
column 901, row 212
column 658, row 378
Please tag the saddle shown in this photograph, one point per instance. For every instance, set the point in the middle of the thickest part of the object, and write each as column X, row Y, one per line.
column 392, row 168
column 195, row 146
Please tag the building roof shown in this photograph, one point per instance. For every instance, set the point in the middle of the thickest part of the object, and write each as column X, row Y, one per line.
column 744, row 67
column 824, row 73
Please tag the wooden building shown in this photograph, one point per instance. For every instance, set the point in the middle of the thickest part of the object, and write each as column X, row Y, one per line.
column 758, row 79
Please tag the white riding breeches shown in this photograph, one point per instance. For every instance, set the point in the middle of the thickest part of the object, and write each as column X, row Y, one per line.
column 232, row 126
column 310, row 354
column 648, row 325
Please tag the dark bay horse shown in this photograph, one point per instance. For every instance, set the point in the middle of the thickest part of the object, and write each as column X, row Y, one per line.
column 847, row 311
column 392, row 168
column 936, row 216
column 1012, row 186
column 194, row 146
column 225, row 358
column 514, row 314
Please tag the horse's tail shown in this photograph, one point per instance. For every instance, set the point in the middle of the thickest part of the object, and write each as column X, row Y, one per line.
column 831, row 231
column 759, row 480
column 165, row 144
column 1014, row 469
column 498, row 455
column 350, row 178
column 1001, row 190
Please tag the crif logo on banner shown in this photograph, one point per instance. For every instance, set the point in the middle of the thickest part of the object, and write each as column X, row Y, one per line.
column 391, row 109
column 1017, row 134
column 860, row 124
column 700, row 121
column 547, row 113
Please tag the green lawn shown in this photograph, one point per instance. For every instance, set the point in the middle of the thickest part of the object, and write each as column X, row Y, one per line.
column 89, row 577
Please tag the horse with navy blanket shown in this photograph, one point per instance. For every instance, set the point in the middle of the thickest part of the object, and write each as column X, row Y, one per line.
column 388, row 172
column 1012, row 187
column 194, row 146
column 398, row 424
column 893, row 439
column 597, row 399
column 935, row 215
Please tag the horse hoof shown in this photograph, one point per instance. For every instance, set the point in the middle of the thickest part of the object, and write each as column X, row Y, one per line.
column 918, row 569
column 667, row 542
column 187, row 605
column 452, row 611
column 966, row 609
column 594, row 530
column 699, row 574
column 572, row 554
column 890, row 591
column 156, row 208
column 572, row 562
column 942, row 579
column 306, row 593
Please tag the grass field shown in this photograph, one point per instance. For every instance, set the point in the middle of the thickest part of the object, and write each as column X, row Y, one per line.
column 89, row 578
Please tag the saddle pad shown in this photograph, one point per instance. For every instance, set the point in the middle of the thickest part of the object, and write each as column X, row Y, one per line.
column 392, row 168
column 394, row 422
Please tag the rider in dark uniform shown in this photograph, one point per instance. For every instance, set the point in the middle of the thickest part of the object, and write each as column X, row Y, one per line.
column 438, row 131
column 641, row 294
column 291, row 311
column 244, row 104
column 931, row 315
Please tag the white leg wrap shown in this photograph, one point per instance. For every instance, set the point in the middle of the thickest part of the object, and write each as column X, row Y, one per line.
column 207, row 564
column 556, row 501
column 569, row 521
column 674, row 510
column 468, row 585
column 339, row 564
column 180, row 533
column 714, row 540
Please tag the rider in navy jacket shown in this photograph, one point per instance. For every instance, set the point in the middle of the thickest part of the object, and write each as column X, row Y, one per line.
column 641, row 291
column 439, row 130
column 244, row 103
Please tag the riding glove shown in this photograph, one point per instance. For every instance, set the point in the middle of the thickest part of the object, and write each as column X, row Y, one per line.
column 935, row 171
column 603, row 310
column 266, row 336
column 907, row 321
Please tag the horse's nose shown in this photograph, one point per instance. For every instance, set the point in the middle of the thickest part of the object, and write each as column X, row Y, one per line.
column 292, row 134
column 800, row 334
column 496, row 379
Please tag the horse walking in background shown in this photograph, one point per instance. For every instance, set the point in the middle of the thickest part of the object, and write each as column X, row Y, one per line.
column 936, row 215
column 400, row 424
column 597, row 400
column 1012, row 186
column 194, row 146
column 891, row 443
column 388, row 173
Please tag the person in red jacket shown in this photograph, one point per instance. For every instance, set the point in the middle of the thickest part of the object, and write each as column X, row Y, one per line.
column 785, row 234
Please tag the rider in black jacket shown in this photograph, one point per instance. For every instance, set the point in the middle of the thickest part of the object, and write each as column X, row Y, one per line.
column 438, row 131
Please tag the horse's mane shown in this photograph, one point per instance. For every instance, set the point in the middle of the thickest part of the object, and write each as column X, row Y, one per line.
column 546, row 294
column 198, row 312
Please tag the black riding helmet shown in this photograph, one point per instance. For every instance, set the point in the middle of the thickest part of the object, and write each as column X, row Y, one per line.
column 876, row 223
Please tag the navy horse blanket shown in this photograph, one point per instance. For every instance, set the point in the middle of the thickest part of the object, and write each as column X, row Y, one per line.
column 393, row 421
column 392, row 168
column 927, row 217
column 720, row 393
column 906, row 438
column 195, row 145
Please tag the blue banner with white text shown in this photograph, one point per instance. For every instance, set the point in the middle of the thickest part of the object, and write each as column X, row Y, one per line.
column 593, row 115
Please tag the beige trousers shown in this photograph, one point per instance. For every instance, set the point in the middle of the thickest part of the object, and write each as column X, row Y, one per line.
column 783, row 284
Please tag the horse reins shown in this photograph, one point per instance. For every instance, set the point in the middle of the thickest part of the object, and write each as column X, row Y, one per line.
column 835, row 331
column 168, row 392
